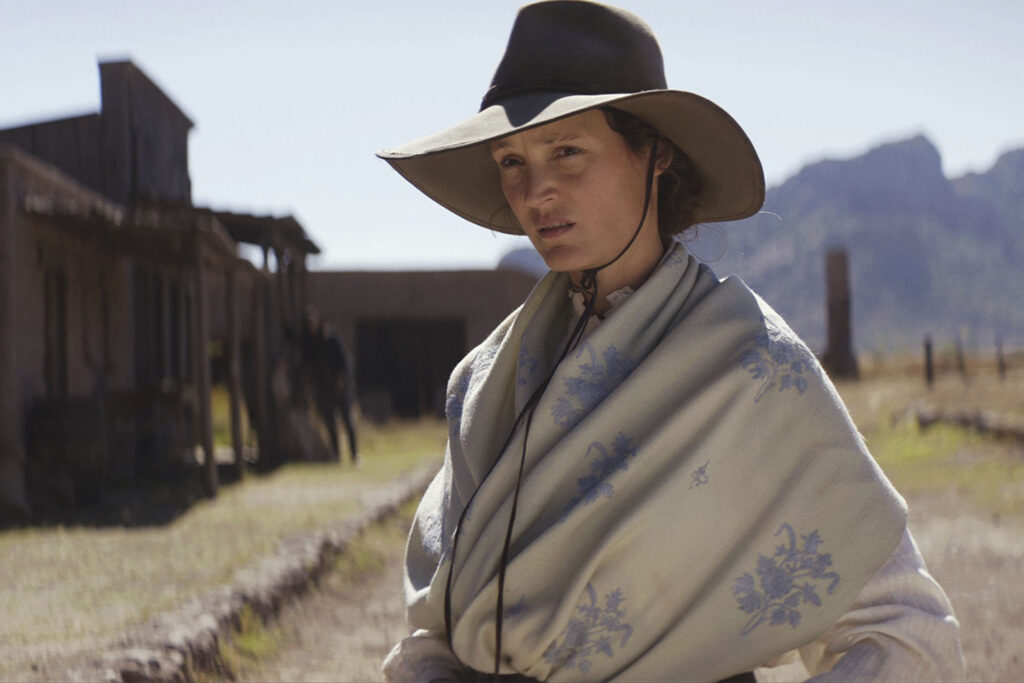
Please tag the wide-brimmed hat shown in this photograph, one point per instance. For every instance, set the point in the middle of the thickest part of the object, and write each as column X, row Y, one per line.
column 565, row 57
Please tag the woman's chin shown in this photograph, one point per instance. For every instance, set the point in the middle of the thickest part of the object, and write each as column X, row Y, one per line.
column 564, row 268
column 562, row 261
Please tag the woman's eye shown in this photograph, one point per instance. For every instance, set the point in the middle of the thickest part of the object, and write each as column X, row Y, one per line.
column 508, row 162
column 568, row 151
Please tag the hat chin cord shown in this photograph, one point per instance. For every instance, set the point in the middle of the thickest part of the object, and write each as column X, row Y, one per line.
column 588, row 287
column 588, row 280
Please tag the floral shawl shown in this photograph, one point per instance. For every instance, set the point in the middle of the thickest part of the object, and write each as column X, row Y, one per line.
column 695, row 499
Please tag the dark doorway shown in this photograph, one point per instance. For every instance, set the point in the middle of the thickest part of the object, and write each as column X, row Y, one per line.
column 403, row 365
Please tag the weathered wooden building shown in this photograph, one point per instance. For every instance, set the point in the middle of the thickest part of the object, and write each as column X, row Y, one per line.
column 119, row 298
column 408, row 329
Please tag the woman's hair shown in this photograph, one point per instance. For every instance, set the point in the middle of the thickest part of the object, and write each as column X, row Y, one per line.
column 679, row 185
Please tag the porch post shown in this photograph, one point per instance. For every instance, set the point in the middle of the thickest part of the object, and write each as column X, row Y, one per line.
column 13, row 499
column 202, row 356
column 260, row 366
column 233, row 350
column 281, row 283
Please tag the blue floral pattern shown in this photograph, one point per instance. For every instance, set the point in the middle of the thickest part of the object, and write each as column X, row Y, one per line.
column 699, row 476
column 527, row 366
column 592, row 630
column 602, row 466
column 780, row 592
column 778, row 359
column 596, row 380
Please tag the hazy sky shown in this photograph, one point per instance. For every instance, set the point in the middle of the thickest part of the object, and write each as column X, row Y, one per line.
column 292, row 99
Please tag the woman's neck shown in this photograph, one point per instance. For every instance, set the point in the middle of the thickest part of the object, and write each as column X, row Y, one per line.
column 631, row 270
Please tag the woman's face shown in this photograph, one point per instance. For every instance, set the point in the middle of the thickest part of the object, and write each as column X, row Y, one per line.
column 578, row 191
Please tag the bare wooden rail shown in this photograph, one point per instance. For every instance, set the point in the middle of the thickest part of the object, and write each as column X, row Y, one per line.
column 984, row 422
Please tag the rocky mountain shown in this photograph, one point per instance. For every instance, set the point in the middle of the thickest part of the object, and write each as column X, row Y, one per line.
column 927, row 254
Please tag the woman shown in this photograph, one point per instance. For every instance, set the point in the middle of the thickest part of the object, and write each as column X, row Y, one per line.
column 648, row 475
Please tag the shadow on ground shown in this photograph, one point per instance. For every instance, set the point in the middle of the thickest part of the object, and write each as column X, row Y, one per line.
column 153, row 500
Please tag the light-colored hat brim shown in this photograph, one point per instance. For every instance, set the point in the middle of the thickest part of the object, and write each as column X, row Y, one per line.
column 455, row 168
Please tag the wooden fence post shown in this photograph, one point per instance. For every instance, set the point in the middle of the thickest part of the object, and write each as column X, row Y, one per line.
column 1000, row 360
column 961, row 364
column 838, row 359
column 929, row 366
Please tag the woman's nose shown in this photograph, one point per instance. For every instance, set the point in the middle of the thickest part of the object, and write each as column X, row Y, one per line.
column 540, row 185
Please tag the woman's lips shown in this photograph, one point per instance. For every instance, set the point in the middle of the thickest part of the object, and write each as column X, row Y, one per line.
column 555, row 230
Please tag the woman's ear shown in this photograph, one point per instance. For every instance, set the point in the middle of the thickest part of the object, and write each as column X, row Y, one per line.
column 665, row 153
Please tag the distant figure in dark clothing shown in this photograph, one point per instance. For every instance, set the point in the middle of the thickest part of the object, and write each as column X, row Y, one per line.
column 326, row 363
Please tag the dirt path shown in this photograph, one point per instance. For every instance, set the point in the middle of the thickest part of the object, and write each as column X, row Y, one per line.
column 343, row 630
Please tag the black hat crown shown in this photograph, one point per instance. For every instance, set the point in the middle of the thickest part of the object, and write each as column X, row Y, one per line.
column 568, row 46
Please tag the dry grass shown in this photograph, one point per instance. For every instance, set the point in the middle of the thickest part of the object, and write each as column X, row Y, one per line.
column 984, row 473
column 220, row 409
column 891, row 387
column 942, row 457
column 71, row 587
column 966, row 496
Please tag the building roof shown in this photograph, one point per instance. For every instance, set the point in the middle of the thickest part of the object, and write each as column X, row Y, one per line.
column 158, row 232
column 130, row 66
column 278, row 232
